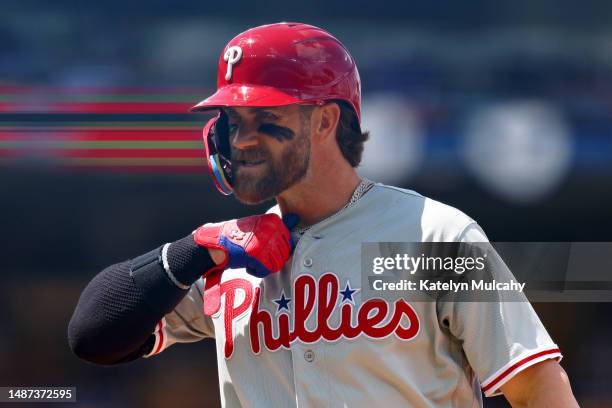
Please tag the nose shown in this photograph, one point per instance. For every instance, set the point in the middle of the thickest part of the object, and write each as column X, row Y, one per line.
column 244, row 138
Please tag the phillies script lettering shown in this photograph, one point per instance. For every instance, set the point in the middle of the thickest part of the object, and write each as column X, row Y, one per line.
column 321, row 298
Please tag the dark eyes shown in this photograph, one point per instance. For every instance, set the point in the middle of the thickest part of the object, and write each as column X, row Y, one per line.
column 263, row 120
column 267, row 116
column 262, row 126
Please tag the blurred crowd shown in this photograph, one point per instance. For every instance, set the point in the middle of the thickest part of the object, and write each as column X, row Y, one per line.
column 507, row 118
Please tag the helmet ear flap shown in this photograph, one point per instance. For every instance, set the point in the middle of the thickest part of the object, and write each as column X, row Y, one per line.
column 222, row 135
column 218, row 152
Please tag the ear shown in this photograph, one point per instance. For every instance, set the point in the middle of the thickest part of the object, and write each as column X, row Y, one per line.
column 327, row 119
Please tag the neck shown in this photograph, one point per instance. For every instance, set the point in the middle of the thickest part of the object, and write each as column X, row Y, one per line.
column 318, row 196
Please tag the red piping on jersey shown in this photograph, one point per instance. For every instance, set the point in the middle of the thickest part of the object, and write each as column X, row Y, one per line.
column 161, row 337
column 518, row 364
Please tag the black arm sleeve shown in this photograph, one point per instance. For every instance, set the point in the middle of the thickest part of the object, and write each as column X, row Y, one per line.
column 119, row 308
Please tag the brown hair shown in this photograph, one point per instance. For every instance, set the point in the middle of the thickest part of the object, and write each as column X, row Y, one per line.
column 349, row 136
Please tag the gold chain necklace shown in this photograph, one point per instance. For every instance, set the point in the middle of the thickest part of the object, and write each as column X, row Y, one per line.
column 361, row 189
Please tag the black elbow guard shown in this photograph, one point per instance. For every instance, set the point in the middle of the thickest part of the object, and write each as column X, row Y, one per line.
column 160, row 293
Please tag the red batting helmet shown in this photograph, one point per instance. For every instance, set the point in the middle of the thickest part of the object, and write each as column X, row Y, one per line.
column 276, row 65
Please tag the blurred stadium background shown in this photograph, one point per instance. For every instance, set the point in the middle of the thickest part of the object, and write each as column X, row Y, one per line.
column 502, row 109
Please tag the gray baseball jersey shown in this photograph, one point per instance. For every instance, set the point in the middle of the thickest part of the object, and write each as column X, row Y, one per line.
column 306, row 337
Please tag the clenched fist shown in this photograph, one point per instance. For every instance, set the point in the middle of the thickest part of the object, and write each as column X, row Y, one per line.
column 260, row 243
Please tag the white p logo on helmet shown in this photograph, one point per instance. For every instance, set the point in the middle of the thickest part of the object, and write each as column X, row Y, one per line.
column 232, row 56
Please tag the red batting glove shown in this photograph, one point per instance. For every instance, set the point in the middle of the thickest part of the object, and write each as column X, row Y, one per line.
column 260, row 243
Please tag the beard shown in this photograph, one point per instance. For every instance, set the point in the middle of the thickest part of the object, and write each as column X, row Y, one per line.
column 277, row 175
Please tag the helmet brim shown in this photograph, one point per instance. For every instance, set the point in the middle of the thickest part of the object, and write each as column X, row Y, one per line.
column 247, row 96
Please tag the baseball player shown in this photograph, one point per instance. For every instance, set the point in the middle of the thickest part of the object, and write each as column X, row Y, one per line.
column 280, row 293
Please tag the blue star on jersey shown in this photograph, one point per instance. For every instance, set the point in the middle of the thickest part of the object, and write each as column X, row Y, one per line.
column 347, row 293
column 282, row 303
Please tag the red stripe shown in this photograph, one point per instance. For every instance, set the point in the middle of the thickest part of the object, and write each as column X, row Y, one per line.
column 117, row 126
column 127, row 169
column 53, row 90
column 98, row 153
column 50, row 133
column 9, row 153
column 152, row 169
column 97, row 107
column 161, row 338
column 518, row 364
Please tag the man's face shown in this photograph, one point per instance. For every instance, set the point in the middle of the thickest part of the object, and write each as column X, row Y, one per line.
column 270, row 150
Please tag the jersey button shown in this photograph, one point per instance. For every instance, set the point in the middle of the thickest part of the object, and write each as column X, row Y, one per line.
column 308, row 262
column 309, row 356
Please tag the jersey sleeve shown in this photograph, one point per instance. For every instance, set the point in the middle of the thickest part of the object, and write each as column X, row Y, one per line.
column 500, row 337
column 187, row 323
